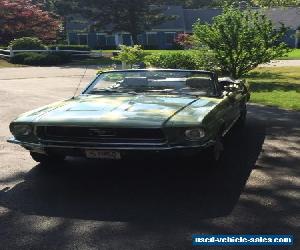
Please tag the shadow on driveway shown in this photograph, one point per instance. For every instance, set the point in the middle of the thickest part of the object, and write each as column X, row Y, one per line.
column 145, row 193
column 160, row 204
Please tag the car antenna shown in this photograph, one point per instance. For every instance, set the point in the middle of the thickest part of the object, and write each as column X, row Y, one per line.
column 78, row 86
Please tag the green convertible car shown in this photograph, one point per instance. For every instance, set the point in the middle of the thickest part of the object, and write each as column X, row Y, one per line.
column 128, row 112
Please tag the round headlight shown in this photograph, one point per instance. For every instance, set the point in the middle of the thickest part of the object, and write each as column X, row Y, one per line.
column 21, row 130
column 194, row 134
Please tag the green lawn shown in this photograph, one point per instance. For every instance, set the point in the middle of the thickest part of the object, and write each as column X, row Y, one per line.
column 278, row 86
column 101, row 61
column 293, row 55
column 150, row 51
column 5, row 64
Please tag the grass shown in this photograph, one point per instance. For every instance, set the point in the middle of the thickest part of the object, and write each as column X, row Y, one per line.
column 276, row 86
column 293, row 55
column 6, row 64
column 149, row 51
column 101, row 61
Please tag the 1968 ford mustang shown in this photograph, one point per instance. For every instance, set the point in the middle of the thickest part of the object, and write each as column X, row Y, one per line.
column 127, row 112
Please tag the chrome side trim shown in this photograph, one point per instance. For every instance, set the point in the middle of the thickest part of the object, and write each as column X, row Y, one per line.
column 231, row 125
column 34, row 146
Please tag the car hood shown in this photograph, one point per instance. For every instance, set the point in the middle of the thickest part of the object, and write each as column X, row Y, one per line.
column 118, row 110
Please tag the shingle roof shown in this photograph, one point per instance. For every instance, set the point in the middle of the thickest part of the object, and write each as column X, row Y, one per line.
column 185, row 18
column 175, row 24
column 205, row 15
column 290, row 17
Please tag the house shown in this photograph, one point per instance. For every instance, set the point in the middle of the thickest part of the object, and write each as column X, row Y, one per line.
column 163, row 35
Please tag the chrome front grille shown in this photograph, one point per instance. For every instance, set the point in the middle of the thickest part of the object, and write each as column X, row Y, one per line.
column 100, row 135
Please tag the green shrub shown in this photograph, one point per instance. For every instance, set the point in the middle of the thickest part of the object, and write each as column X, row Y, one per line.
column 41, row 59
column 65, row 57
column 104, row 69
column 18, row 58
column 27, row 43
column 3, row 47
column 131, row 55
column 192, row 60
column 178, row 60
column 70, row 47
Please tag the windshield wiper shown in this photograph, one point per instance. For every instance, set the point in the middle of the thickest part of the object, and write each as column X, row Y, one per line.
column 103, row 91
column 132, row 92
column 178, row 92
column 112, row 91
column 192, row 94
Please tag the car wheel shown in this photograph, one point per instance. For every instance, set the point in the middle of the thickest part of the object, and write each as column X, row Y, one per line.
column 216, row 152
column 47, row 159
column 242, row 119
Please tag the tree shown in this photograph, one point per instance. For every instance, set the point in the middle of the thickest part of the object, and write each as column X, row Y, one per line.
column 134, row 16
column 60, row 9
column 261, row 3
column 185, row 40
column 20, row 18
column 220, row 3
column 241, row 40
column 276, row 3
column 191, row 3
column 203, row 3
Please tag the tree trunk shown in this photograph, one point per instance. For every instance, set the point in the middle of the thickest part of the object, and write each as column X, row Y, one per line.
column 134, row 38
column 65, row 35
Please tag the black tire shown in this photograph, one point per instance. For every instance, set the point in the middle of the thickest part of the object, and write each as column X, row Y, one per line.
column 47, row 159
column 215, row 153
column 240, row 123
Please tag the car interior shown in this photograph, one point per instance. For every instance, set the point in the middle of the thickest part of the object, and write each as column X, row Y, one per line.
column 195, row 83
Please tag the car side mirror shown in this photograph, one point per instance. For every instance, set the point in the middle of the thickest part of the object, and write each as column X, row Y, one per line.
column 231, row 97
column 221, row 85
column 224, row 84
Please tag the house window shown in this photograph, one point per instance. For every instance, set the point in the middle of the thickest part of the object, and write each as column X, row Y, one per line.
column 170, row 37
column 82, row 39
column 152, row 38
column 101, row 40
column 110, row 40
column 127, row 39
column 140, row 39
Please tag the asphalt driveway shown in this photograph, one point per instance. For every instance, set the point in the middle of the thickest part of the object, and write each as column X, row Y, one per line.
column 144, row 204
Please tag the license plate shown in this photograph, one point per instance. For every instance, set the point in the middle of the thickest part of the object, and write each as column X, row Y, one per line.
column 101, row 154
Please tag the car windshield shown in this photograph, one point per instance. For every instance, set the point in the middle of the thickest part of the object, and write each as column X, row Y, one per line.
column 153, row 81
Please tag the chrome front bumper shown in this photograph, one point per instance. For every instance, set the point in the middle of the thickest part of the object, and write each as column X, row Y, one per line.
column 42, row 146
